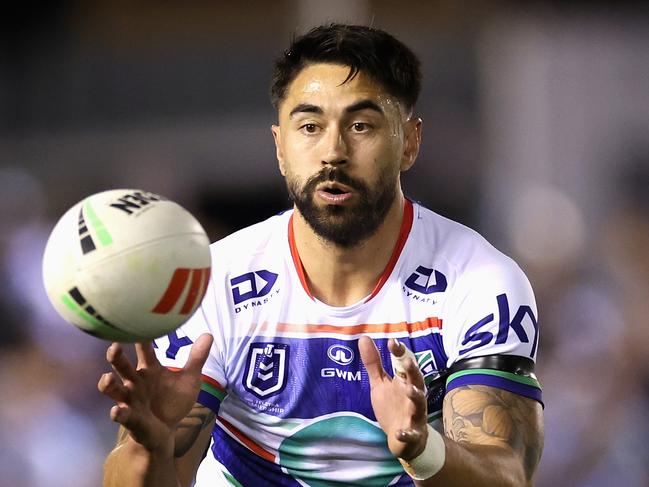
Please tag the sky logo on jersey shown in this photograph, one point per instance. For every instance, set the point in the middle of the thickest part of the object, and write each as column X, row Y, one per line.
column 340, row 354
column 522, row 323
column 420, row 281
column 246, row 286
column 266, row 368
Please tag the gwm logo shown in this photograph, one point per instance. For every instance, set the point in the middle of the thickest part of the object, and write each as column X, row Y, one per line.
column 197, row 279
column 266, row 369
column 340, row 354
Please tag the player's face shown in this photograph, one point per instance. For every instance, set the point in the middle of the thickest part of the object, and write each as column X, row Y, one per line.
column 341, row 147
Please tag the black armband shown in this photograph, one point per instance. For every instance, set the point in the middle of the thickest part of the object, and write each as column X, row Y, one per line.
column 509, row 372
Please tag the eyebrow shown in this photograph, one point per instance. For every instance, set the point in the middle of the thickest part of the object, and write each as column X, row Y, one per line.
column 364, row 105
column 356, row 107
column 306, row 108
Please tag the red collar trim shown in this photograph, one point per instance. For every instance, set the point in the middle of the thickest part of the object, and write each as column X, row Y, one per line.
column 296, row 258
column 404, row 231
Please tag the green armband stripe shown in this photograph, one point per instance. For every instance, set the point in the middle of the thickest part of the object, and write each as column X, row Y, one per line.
column 213, row 391
column 505, row 375
column 434, row 416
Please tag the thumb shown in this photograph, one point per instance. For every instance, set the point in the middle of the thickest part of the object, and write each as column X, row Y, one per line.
column 198, row 354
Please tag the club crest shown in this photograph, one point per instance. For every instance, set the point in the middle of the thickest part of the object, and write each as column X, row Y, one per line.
column 266, row 369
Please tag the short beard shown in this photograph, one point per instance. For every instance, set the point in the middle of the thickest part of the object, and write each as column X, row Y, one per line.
column 345, row 226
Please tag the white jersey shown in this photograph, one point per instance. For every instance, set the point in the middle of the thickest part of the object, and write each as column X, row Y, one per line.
column 284, row 375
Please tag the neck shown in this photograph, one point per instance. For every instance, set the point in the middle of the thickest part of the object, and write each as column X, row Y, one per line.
column 340, row 276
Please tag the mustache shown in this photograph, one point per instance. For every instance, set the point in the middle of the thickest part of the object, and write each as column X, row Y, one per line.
column 333, row 175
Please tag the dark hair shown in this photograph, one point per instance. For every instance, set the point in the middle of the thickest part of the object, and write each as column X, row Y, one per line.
column 362, row 48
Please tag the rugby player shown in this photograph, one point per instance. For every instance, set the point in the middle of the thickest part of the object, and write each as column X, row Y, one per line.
column 358, row 338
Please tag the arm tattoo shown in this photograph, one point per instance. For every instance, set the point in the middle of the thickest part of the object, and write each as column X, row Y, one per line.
column 190, row 427
column 490, row 416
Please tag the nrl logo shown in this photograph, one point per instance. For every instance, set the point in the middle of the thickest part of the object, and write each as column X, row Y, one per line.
column 266, row 369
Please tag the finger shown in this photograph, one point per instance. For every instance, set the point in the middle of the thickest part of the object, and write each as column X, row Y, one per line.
column 198, row 354
column 412, row 372
column 109, row 386
column 371, row 359
column 139, row 428
column 396, row 347
column 121, row 414
column 145, row 355
column 408, row 435
column 419, row 403
column 120, row 362
column 127, row 417
column 415, row 394
column 399, row 355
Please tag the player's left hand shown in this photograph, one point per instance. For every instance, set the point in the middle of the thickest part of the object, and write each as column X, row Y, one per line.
column 399, row 403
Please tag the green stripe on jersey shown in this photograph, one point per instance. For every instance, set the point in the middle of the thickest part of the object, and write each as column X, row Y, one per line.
column 423, row 357
column 97, row 225
column 232, row 480
column 498, row 373
column 210, row 389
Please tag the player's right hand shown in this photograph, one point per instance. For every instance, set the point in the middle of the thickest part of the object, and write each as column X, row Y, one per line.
column 399, row 402
column 150, row 399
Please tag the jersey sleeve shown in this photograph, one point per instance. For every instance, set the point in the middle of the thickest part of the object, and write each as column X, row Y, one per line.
column 493, row 313
column 173, row 349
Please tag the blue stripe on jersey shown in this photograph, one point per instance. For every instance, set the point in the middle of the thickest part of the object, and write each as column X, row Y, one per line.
column 323, row 376
column 441, row 359
column 496, row 381
column 245, row 466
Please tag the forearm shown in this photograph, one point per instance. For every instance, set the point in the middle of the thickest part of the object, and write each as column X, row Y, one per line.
column 492, row 437
column 131, row 465
column 468, row 465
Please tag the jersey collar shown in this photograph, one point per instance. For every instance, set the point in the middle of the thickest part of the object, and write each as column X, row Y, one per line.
column 404, row 231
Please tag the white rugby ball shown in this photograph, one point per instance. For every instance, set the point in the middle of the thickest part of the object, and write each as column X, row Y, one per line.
column 126, row 265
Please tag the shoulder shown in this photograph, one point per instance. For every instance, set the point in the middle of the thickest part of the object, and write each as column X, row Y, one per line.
column 483, row 284
column 468, row 255
column 251, row 241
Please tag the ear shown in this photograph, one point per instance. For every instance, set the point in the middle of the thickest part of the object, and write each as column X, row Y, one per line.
column 412, row 129
column 279, row 152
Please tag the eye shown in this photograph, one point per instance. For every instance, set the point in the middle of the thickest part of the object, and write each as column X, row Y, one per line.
column 309, row 128
column 360, row 127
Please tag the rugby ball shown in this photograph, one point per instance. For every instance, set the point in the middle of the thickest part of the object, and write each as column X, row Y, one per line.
column 126, row 265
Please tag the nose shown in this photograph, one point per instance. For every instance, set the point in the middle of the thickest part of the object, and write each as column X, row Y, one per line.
column 335, row 150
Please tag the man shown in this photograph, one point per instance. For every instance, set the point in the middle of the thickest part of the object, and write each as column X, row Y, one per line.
column 292, row 388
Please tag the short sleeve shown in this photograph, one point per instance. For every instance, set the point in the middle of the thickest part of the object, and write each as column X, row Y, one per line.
column 493, row 312
column 173, row 349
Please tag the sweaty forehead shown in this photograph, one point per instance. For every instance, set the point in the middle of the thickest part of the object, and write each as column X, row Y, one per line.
column 324, row 84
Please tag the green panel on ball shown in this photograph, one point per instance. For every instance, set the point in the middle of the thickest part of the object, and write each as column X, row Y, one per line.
column 97, row 225
column 98, row 328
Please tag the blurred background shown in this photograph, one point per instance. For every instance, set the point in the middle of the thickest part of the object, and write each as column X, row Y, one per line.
column 536, row 117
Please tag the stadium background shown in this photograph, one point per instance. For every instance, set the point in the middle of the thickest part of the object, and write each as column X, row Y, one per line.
column 536, row 118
